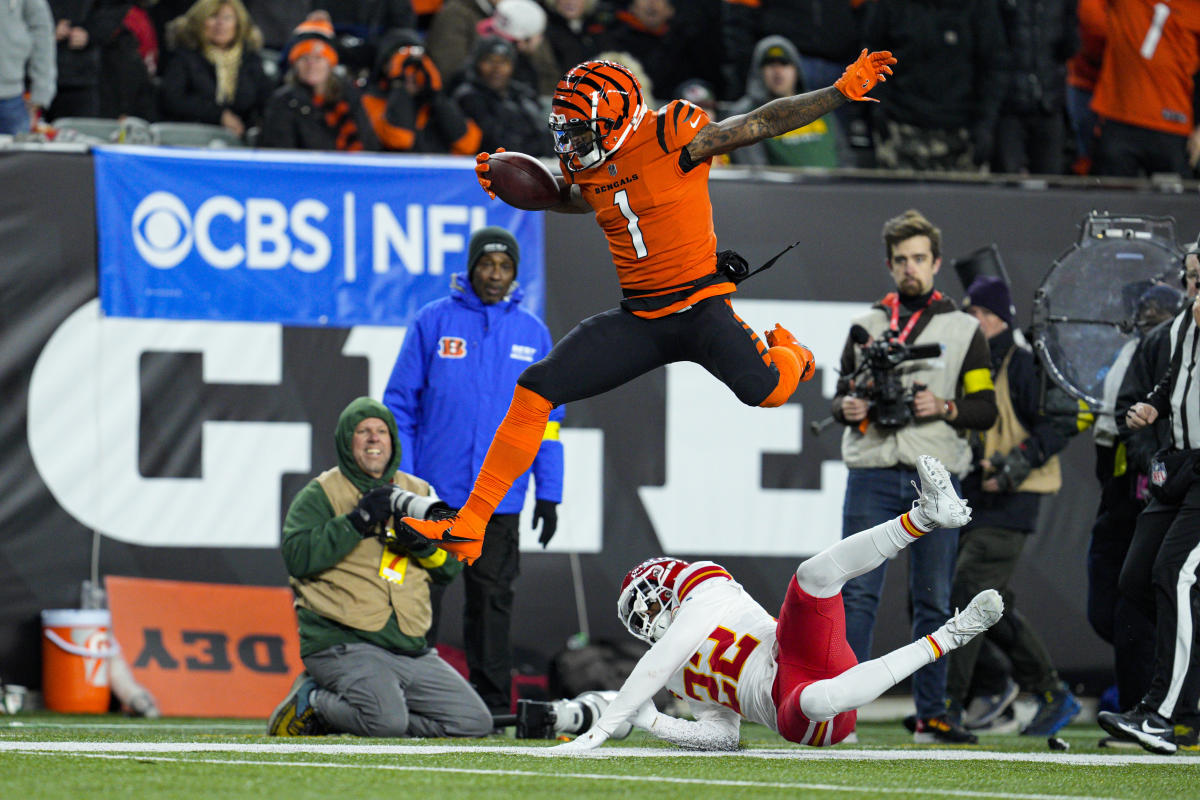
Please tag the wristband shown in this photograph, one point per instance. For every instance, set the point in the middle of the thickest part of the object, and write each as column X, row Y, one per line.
column 948, row 409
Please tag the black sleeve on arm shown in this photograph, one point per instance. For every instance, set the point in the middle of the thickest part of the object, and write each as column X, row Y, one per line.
column 977, row 410
column 845, row 369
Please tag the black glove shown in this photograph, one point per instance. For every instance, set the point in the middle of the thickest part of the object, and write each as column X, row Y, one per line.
column 1011, row 470
column 405, row 541
column 547, row 512
column 372, row 510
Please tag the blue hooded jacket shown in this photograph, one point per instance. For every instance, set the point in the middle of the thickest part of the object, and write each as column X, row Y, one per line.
column 452, row 385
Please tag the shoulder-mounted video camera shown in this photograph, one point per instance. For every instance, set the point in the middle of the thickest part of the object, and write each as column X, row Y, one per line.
column 877, row 380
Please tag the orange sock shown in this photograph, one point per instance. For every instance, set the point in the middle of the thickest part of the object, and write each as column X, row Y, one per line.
column 513, row 449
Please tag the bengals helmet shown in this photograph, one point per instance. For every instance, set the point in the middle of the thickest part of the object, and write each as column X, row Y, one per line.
column 596, row 106
column 647, row 602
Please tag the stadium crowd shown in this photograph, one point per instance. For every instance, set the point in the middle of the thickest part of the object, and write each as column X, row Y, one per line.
column 1101, row 87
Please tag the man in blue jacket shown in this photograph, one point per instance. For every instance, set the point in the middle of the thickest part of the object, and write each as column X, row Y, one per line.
column 449, row 390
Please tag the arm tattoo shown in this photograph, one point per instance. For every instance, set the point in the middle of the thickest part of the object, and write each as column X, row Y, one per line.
column 776, row 117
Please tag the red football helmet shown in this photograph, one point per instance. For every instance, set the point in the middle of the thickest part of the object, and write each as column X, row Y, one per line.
column 595, row 107
column 650, row 584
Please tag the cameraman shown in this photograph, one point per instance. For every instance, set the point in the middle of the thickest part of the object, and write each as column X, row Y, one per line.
column 362, row 598
column 942, row 396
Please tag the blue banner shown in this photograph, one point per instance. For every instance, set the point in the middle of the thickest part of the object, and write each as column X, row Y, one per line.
column 310, row 239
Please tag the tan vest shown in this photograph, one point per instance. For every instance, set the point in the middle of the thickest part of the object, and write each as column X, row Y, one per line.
column 953, row 330
column 1008, row 432
column 355, row 592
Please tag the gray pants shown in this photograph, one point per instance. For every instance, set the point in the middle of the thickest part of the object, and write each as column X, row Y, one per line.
column 368, row 691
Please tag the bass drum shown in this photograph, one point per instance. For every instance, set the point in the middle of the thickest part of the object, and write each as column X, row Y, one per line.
column 1084, row 310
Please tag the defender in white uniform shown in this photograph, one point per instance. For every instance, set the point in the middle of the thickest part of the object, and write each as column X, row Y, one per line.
column 717, row 647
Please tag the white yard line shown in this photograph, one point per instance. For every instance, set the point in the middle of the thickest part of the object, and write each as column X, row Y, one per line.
column 810, row 754
column 515, row 773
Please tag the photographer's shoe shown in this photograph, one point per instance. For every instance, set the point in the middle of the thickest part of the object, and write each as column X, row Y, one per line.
column 295, row 716
column 937, row 504
column 782, row 337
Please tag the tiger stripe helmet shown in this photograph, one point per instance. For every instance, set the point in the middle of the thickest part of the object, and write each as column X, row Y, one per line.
column 648, row 600
column 596, row 106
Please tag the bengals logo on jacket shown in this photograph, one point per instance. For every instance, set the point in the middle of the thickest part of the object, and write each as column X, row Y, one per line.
column 452, row 347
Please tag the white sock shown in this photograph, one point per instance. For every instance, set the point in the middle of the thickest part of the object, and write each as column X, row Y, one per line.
column 824, row 574
column 862, row 683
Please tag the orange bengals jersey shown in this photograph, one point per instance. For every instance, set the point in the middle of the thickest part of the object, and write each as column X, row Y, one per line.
column 1152, row 53
column 657, row 218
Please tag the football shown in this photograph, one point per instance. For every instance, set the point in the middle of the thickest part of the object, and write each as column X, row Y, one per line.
column 522, row 181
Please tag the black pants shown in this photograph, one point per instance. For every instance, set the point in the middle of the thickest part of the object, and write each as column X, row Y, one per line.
column 1129, row 151
column 487, row 612
column 614, row 347
column 1159, row 576
column 987, row 558
column 1112, row 615
column 1032, row 142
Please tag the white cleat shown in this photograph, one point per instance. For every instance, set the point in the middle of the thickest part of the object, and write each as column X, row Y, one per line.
column 984, row 610
column 936, row 499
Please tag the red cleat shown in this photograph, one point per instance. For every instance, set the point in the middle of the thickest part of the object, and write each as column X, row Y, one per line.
column 782, row 337
column 452, row 535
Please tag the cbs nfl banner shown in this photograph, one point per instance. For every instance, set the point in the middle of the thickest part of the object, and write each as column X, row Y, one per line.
column 305, row 239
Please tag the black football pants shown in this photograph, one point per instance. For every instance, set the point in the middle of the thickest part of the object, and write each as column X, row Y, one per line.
column 614, row 347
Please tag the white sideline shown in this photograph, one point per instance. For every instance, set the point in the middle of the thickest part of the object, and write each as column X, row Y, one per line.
column 815, row 754
column 872, row 791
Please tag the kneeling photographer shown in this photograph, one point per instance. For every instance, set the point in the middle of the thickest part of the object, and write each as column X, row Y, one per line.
column 916, row 372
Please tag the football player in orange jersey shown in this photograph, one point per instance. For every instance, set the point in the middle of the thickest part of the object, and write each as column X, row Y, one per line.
column 644, row 174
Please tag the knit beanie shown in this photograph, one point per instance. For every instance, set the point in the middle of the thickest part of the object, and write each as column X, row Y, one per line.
column 990, row 292
column 313, row 36
column 492, row 240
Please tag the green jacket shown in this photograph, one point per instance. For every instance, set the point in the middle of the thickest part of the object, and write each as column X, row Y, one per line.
column 350, row 589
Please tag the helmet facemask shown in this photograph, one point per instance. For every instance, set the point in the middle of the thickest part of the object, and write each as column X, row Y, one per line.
column 577, row 141
column 646, row 608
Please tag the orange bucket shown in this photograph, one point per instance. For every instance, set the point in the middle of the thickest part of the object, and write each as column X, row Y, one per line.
column 75, row 652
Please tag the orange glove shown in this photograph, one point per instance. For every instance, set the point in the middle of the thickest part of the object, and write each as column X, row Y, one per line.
column 481, row 171
column 414, row 62
column 861, row 76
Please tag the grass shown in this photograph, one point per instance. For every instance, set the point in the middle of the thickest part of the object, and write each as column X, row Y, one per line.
column 45, row 755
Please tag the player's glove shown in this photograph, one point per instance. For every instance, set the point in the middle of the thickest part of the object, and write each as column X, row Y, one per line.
column 861, row 76
column 1011, row 469
column 545, row 511
column 595, row 737
column 372, row 510
column 481, row 171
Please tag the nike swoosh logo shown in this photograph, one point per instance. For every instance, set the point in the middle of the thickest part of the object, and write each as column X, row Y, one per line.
column 1146, row 728
column 695, row 122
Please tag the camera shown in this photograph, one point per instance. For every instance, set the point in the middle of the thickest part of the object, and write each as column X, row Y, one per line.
column 891, row 400
column 417, row 506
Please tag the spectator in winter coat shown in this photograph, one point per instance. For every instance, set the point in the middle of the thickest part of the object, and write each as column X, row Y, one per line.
column 776, row 73
column 214, row 71
column 449, row 390
column 506, row 110
column 573, row 28
column 410, row 111
column 317, row 108
column 1042, row 35
column 26, row 51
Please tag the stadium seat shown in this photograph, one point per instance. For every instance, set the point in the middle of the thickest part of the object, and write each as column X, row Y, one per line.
column 194, row 134
column 97, row 128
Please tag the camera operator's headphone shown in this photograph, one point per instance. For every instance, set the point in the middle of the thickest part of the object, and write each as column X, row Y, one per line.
column 1192, row 250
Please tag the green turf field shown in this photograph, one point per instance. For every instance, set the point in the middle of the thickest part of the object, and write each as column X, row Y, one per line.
column 46, row 755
